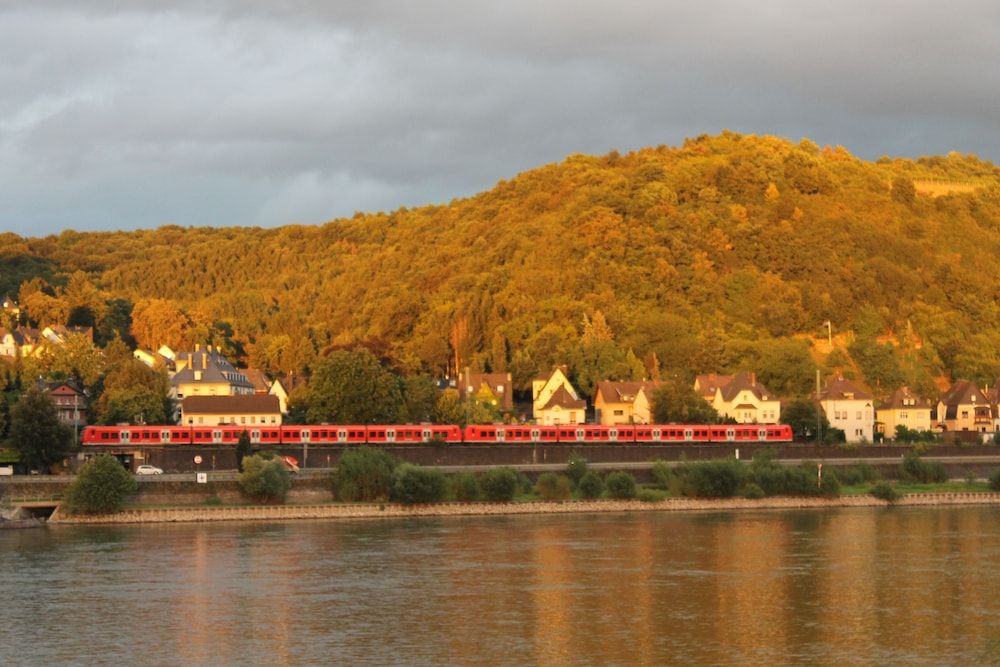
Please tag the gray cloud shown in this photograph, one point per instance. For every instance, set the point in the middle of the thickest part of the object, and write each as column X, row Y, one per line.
column 250, row 113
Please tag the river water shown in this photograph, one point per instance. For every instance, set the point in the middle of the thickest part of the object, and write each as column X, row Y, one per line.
column 836, row 587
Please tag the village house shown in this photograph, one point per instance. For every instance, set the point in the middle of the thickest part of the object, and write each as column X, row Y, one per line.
column 70, row 401
column 162, row 357
column 747, row 401
column 57, row 334
column 493, row 387
column 205, row 372
column 283, row 386
column 624, row 402
column 261, row 385
column 905, row 408
column 849, row 407
column 555, row 401
column 708, row 384
column 10, row 306
column 21, row 341
column 242, row 410
column 964, row 408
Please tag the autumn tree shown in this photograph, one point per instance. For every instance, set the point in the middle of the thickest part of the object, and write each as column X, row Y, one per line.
column 157, row 322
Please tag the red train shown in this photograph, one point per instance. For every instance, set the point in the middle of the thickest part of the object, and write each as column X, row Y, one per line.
column 401, row 434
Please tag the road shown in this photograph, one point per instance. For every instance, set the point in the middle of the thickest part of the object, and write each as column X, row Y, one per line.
column 320, row 473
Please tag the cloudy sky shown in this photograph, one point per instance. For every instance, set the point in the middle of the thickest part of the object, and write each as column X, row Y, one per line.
column 118, row 115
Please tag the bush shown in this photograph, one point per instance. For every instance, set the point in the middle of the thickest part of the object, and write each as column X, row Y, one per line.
column 524, row 483
column 995, row 480
column 213, row 501
column 858, row 474
column 499, row 484
column 576, row 468
column 651, row 495
column 886, row 491
column 829, row 485
column 551, row 486
column 709, row 479
column 414, row 484
column 265, row 480
column 662, row 474
column 620, row 485
column 465, row 487
column 591, row 485
column 753, row 492
column 364, row 474
column 101, row 487
column 915, row 469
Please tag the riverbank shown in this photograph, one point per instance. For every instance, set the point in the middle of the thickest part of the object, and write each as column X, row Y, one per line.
column 391, row 510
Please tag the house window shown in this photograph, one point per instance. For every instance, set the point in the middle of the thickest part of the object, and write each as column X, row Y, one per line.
column 859, row 414
column 572, row 416
column 200, row 420
column 965, row 414
column 619, row 413
column 243, row 420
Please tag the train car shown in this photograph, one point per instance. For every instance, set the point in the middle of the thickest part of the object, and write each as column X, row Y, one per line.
column 584, row 433
column 222, row 434
column 136, row 435
column 413, row 434
column 494, row 433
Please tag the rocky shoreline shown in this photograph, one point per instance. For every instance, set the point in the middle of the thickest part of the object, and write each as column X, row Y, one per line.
column 391, row 510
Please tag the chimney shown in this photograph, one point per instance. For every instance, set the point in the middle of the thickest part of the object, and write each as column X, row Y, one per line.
column 753, row 379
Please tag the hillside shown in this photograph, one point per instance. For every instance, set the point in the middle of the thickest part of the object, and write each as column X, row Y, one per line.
column 729, row 251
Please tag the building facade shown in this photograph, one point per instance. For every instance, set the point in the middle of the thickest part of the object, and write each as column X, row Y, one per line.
column 849, row 406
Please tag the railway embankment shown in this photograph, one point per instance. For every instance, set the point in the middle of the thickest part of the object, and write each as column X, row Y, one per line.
column 332, row 511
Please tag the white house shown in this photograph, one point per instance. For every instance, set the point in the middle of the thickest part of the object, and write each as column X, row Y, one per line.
column 849, row 407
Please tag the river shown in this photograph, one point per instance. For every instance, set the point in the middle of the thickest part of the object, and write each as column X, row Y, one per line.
column 898, row 586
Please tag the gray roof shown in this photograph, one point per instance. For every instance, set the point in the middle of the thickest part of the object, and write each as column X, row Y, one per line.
column 214, row 368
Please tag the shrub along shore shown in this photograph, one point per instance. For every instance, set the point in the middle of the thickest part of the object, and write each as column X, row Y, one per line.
column 372, row 483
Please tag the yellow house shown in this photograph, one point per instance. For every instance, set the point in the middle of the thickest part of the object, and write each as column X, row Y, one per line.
column 747, row 401
column 624, row 402
column 555, row 401
column 905, row 408
column 245, row 410
column 205, row 372
column 964, row 408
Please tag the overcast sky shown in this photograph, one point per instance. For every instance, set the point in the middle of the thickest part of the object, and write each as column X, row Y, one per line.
column 245, row 114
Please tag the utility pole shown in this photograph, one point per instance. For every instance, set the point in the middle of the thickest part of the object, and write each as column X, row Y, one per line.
column 819, row 417
column 467, row 388
column 829, row 334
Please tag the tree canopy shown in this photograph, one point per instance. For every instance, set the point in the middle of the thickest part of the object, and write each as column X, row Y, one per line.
column 714, row 255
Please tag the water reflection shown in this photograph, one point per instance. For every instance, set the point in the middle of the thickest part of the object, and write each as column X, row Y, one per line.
column 900, row 586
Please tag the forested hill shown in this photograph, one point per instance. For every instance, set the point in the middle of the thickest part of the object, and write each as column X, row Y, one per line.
column 727, row 252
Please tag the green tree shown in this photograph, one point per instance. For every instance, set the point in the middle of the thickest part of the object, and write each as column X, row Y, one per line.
column 620, row 485
column 802, row 414
column 136, row 405
column 676, row 402
column 36, row 431
column 591, row 486
column 420, row 395
column 351, row 387
column 265, row 480
column 415, row 484
column 101, row 487
column 244, row 448
column 499, row 484
column 364, row 474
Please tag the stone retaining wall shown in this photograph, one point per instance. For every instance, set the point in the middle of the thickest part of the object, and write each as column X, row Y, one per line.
column 370, row 511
